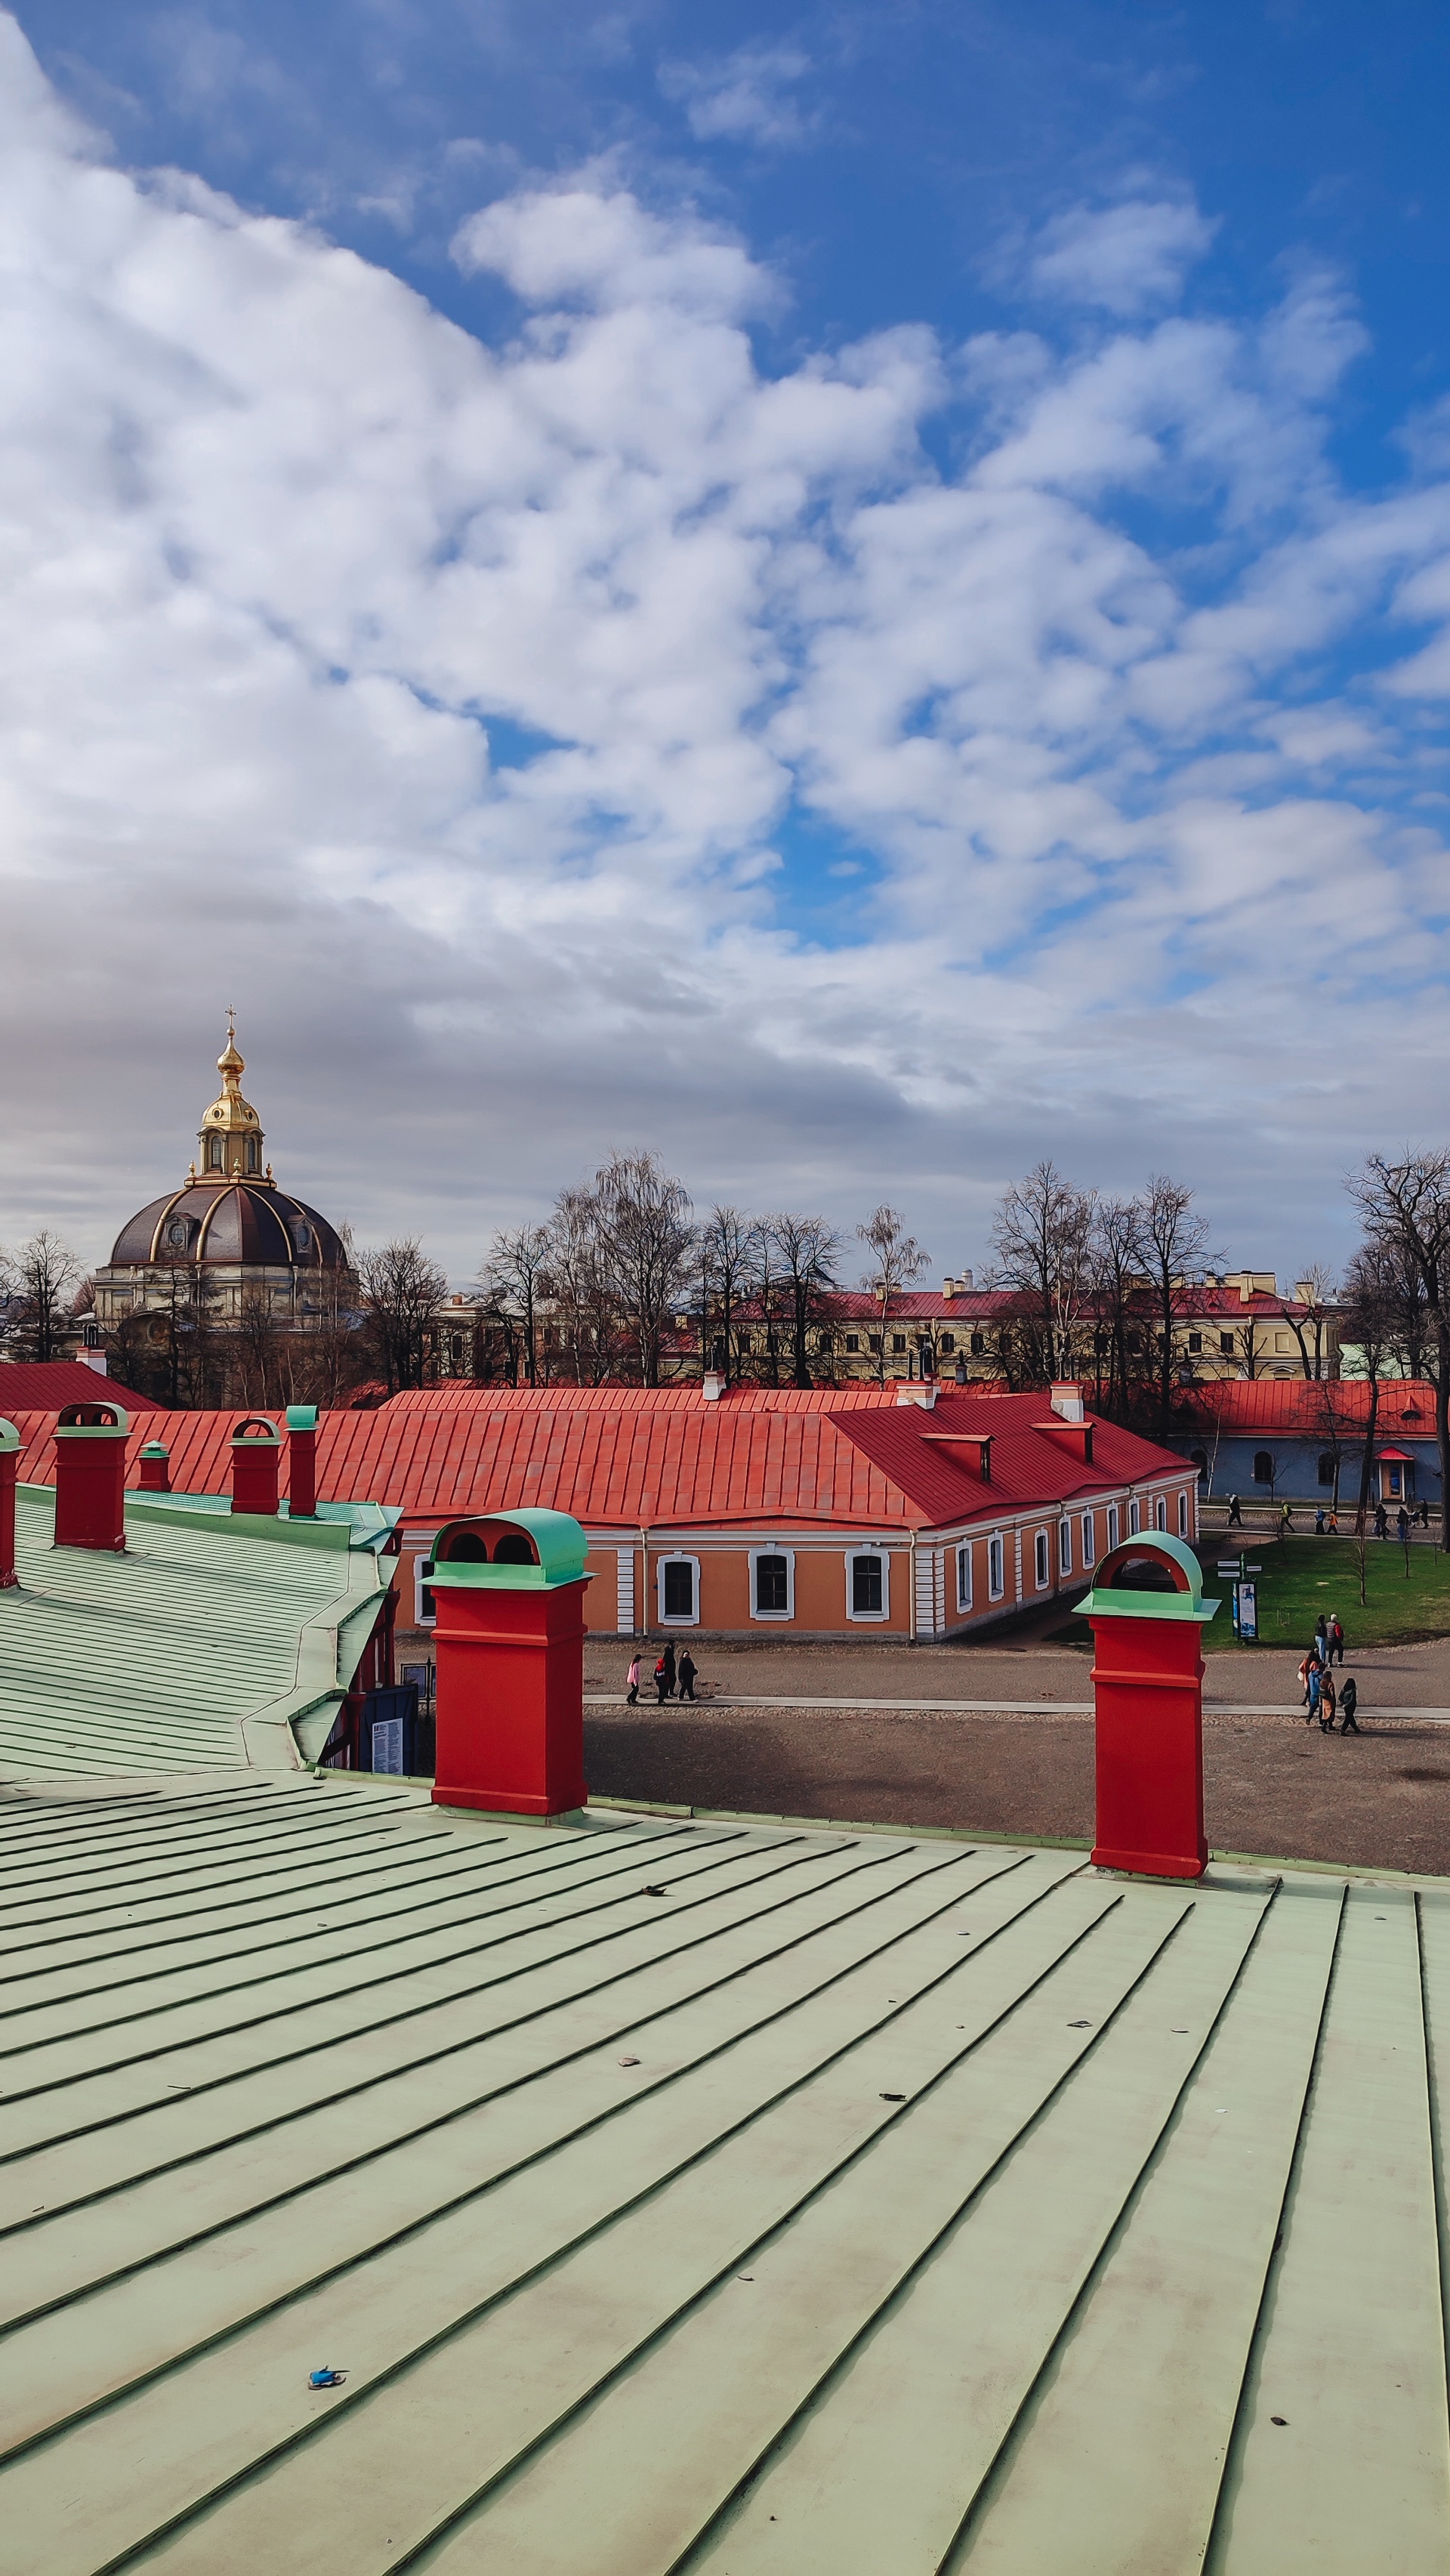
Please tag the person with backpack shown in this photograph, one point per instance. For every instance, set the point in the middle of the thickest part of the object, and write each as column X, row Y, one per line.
column 1348, row 1703
column 1336, row 1639
column 1235, row 1516
column 665, row 1674
column 688, row 1670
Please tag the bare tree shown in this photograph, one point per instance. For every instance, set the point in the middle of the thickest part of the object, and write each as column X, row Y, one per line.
column 1406, row 1208
column 585, row 1313
column 259, row 1354
column 400, row 1290
column 1316, row 1297
column 1043, row 1233
column 807, row 1250
column 898, row 1260
column 41, row 1275
column 728, row 1252
column 640, row 1215
column 1174, row 1242
column 1117, row 1267
column 515, row 1278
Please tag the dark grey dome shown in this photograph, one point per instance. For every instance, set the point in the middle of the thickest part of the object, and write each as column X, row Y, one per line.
column 230, row 1222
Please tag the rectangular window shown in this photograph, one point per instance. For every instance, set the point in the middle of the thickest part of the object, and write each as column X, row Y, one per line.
column 873, row 1341
column 898, row 1341
column 1183, row 1515
column 772, row 1583
column 948, row 1341
column 427, row 1604
column 1135, row 1518
column 866, row 1586
column 679, row 1593
column 979, row 1344
column 1039, row 1556
column 853, row 1341
column 964, row 1578
column 1112, row 1527
column 1089, row 1550
column 1226, row 1345
column 996, row 1569
column 1195, row 1343
column 1064, row 1547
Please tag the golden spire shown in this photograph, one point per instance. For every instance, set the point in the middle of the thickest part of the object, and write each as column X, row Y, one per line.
column 231, row 1131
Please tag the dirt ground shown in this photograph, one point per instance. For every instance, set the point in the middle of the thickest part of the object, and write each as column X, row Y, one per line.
column 1271, row 1784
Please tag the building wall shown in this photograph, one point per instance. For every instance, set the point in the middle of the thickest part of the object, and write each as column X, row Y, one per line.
column 1230, row 1466
column 626, row 1579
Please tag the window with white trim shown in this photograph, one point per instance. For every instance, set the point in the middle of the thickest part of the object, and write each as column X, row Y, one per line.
column 677, row 1583
column 868, row 1584
column 1089, row 1549
column 1160, row 1512
column 996, row 1567
column 1064, row 1547
column 1040, row 1566
column 1112, row 1527
column 964, row 1577
column 772, row 1583
column 1135, row 1517
column 1183, row 1515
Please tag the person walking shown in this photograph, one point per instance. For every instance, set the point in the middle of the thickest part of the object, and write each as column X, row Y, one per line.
column 1235, row 1516
column 1423, row 1514
column 1286, row 1519
column 1309, row 1672
column 1402, row 1526
column 665, row 1675
column 1334, row 1521
column 1381, row 1521
column 1348, row 1703
column 631, row 1693
column 1326, row 1702
column 1336, row 1639
column 1319, row 1521
column 1314, row 1685
column 687, row 1676
column 1321, row 1638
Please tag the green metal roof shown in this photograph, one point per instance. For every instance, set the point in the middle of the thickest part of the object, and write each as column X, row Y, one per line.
column 687, row 2197
column 211, row 1641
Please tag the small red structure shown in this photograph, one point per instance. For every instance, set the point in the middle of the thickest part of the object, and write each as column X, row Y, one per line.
column 155, row 1468
column 256, row 1453
column 510, row 1663
column 1145, row 1610
column 90, row 1476
column 9, row 1465
column 302, row 1462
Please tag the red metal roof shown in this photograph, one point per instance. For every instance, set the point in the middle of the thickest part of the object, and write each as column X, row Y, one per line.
column 27, row 1386
column 622, row 1457
column 1311, row 1407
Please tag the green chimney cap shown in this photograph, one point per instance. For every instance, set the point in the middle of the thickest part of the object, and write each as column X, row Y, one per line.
column 559, row 1544
column 1185, row 1601
column 9, row 1436
column 302, row 1417
column 155, row 1449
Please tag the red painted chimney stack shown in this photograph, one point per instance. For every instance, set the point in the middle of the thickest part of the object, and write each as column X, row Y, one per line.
column 90, row 1477
column 302, row 1462
column 256, row 1454
column 155, row 1468
column 9, row 1466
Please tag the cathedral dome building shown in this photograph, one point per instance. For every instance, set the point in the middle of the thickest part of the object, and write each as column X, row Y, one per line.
column 242, row 1243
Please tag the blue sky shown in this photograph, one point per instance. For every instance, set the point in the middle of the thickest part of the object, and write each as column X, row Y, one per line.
column 901, row 629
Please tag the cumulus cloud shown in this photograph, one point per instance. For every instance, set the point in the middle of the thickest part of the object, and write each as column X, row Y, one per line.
column 1129, row 258
column 461, row 712
column 746, row 97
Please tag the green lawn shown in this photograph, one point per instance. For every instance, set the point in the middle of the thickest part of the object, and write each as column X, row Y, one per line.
column 1302, row 1576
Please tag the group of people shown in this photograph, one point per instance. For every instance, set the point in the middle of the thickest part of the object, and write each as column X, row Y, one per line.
column 1326, row 1520
column 670, row 1677
column 1316, row 1675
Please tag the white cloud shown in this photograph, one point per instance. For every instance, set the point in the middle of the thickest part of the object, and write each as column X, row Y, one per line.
column 745, row 98
column 448, row 708
column 1129, row 258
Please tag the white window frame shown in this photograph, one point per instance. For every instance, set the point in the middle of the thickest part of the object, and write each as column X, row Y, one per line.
column 1114, row 1526
column 773, row 1618
column 1087, row 1540
column 1160, row 1513
column 1135, row 1516
column 423, row 1560
column 1041, row 1561
column 1064, row 1547
column 1183, row 1513
column 996, row 1566
column 676, row 1618
column 862, row 1618
column 964, row 1568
